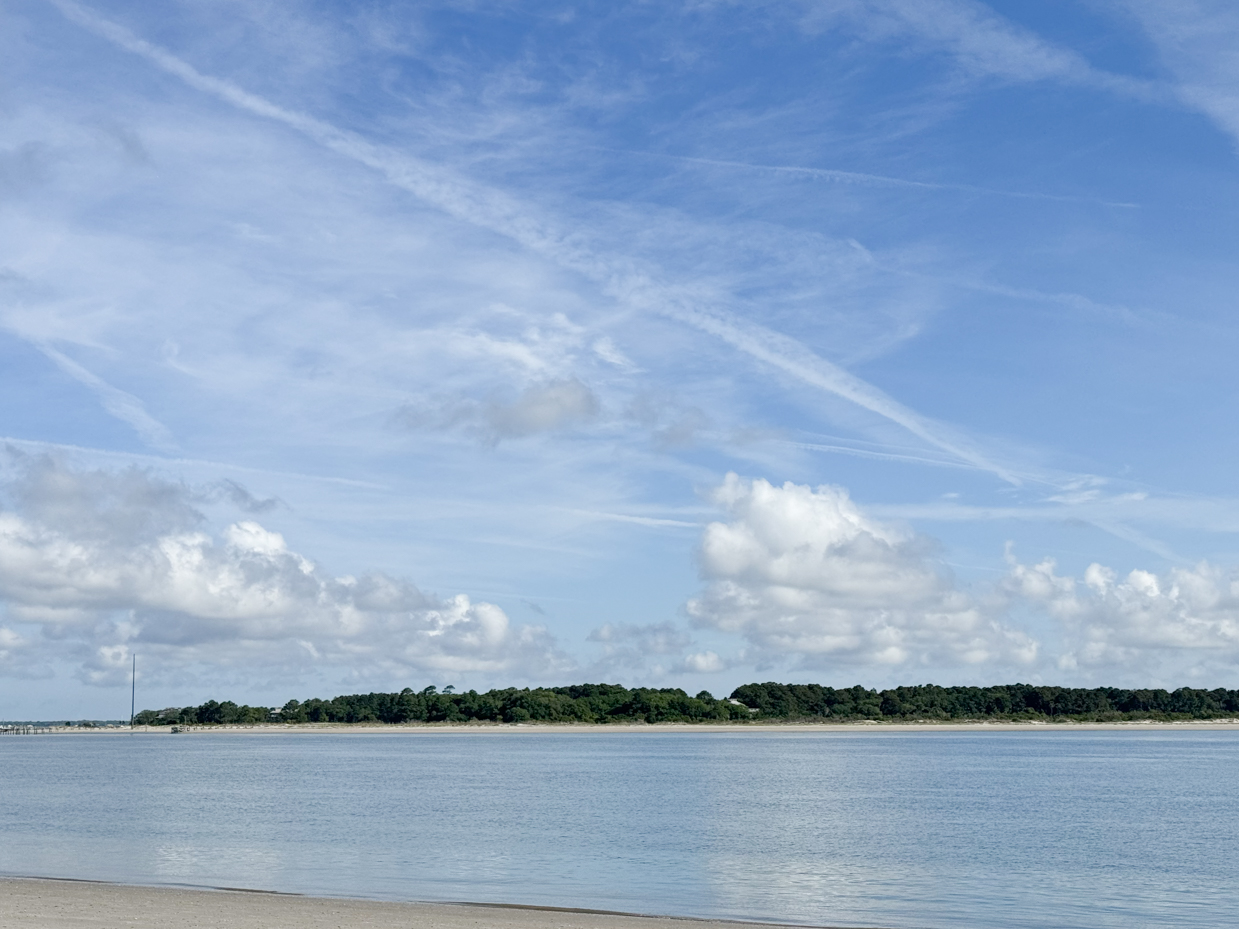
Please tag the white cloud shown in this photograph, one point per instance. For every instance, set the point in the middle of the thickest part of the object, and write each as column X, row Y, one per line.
column 633, row 284
column 107, row 563
column 341, row 297
column 652, row 648
column 1182, row 623
column 804, row 574
column 705, row 662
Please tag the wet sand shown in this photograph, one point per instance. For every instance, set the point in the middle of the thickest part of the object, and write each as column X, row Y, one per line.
column 56, row 904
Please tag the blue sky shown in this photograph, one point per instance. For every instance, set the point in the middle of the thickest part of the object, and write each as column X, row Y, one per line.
column 360, row 346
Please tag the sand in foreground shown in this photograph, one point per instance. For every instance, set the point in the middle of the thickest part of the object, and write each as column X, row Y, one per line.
column 51, row 904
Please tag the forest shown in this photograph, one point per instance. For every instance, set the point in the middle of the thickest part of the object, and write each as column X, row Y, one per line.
column 612, row 703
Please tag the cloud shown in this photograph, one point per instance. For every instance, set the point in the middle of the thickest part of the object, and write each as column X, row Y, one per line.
column 808, row 578
column 1196, row 41
column 124, row 507
column 706, row 662
column 670, row 424
column 788, row 356
column 543, row 408
column 17, row 656
column 880, row 180
column 631, row 283
column 1183, row 622
column 981, row 42
column 804, row 574
column 649, row 639
column 124, row 406
column 241, row 498
column 651, row 650
column 550, row 406
column 106, row 563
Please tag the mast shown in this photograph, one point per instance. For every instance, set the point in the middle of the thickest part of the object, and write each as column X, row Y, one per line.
column 133, row 692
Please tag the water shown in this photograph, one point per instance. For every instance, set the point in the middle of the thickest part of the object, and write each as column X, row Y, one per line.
column 902, row 829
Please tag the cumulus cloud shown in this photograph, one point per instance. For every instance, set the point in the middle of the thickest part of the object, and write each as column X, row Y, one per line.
column 705, row 662
column 1182, row 622
column 803, row 573
column 805, row 576
column 97, row 564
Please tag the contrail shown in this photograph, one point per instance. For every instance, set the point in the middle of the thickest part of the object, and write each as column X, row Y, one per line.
column 880, row 456
column 790, row 356
column 124, row 406
column 498, row 212
column 881, row 180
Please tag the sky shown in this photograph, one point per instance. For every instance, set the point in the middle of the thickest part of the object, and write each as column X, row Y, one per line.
column 355, row 346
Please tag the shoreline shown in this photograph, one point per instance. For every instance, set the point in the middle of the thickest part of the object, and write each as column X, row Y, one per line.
column 68, row 903
column 1228, row 724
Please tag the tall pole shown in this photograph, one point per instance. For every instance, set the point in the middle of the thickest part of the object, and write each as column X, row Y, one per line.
column 133, row 693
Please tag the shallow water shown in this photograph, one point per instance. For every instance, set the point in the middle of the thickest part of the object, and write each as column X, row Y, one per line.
column 889, row 828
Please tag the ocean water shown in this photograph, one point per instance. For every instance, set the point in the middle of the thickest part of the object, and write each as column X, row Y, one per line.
column 888, row 828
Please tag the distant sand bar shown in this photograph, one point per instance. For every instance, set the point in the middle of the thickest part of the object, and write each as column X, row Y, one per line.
column 57, row 904
column 1038, row 725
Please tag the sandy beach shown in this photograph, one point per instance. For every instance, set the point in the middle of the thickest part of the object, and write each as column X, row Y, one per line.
column 57, row 904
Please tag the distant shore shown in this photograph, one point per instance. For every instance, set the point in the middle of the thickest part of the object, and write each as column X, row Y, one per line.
column 798, row 726
column 44, row 903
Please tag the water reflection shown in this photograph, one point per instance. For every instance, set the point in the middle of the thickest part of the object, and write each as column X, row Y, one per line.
column 871, row 829
column 185, row 863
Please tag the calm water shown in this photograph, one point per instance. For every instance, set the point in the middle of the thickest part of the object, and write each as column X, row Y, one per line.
column 921, row 829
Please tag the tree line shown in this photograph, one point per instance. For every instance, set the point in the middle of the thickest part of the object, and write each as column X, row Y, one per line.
column 580, row 703
column 1003, row 702
column 612, row 703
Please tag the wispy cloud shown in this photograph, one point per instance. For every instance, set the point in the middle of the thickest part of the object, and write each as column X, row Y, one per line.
column 124, row 406
column 881, row 456
column 980, row 41
column 1196, row 41
column 791, row 358
column 499, row 212
column 881, row 180
column 113, row 458
column 440, row 306
column 656, row 522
